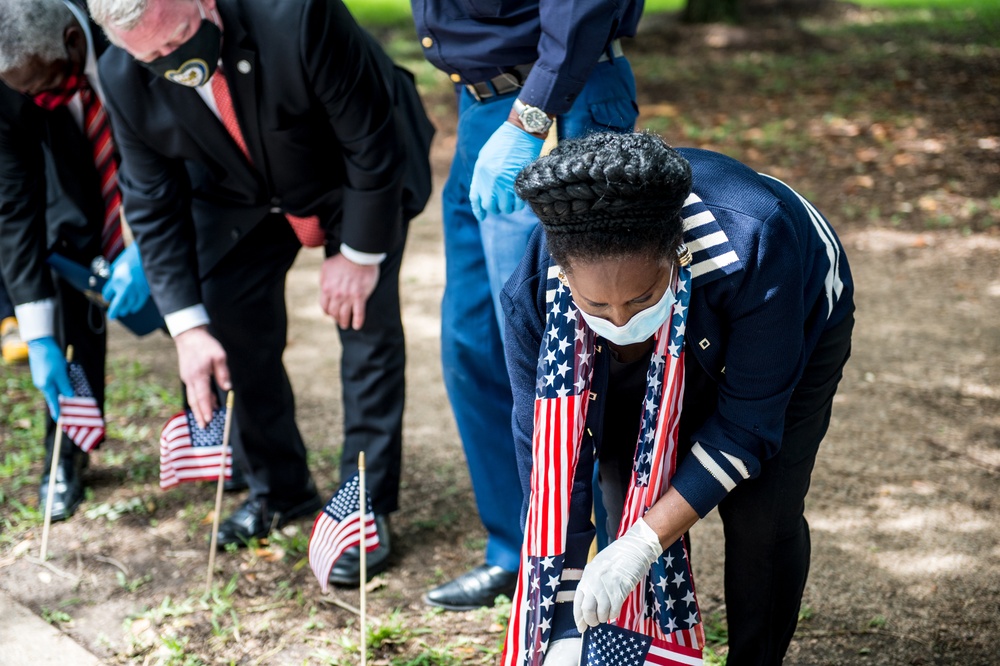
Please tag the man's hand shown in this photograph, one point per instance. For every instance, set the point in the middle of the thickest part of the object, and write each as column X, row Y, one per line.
column 500, row 160
column 48, row 371
column 126, row 290
column 613, row 574
column 201, row 358
column 344, row 288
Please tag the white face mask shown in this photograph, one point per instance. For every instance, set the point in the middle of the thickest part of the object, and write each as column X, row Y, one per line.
column 641, row 327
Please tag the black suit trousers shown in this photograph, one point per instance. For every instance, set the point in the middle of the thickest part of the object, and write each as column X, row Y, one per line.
column 245, row 298
column 80, row 323
column 767, row 536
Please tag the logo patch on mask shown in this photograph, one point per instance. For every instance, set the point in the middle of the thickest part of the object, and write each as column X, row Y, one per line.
column 192, row 73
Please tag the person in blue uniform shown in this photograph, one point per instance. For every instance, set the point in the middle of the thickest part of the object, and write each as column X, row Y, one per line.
column 768, row 332
column 517, row 66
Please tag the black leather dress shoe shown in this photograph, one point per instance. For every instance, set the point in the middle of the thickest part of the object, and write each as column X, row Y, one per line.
column 68, row 491
column 254, row 519
column 347, row 570
column 473, row 589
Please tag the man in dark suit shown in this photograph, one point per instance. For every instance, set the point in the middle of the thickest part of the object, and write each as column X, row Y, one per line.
column 247, row 129
column 58, row 193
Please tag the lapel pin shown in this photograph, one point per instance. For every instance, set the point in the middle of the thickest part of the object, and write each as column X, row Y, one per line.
column 243, row 66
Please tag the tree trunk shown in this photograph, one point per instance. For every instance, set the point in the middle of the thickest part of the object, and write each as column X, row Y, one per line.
column 711, row 11
column 738, row 11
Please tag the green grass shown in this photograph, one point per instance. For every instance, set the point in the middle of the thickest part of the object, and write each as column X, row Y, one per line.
column 386, row 13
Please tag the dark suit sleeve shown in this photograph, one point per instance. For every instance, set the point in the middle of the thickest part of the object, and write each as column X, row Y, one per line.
column 574, row 33
column 156, row 200
column 342, row 64
column 22, row 204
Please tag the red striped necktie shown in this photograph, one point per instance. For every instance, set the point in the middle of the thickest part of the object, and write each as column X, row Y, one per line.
column 307, row 229
column 98, row 131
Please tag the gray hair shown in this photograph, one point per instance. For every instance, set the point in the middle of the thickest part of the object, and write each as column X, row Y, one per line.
column 120, row 15
column 32, row 28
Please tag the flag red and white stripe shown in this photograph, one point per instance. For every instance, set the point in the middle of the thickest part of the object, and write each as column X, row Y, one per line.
column 80, row 415
column 338, row 528
column 190, row 453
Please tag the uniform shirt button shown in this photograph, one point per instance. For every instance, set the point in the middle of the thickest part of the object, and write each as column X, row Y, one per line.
column 427, row 42
column 456, row 78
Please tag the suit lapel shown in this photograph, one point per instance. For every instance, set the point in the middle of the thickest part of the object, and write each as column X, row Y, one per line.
column 191, row 112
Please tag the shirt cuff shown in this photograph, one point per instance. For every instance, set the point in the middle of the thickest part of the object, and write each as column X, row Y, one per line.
column 185, row 319
column 36, row 319
column 706, row 476
column 361, row 258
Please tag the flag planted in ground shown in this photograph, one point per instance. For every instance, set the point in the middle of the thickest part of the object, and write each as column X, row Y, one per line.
column 609, row 645
column 81, row 416
column 338, row 527
column 191, row 453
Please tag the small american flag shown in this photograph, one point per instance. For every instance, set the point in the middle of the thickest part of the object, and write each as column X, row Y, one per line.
column 81, row 416
column 191, row 453
column 608, row 645
column 338, row 527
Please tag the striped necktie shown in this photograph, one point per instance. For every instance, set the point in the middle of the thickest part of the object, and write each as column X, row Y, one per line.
column 307, row 229
column 98, row 131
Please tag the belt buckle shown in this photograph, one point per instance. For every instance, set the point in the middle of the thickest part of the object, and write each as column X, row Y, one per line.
column 510, row 79
column 472, row 91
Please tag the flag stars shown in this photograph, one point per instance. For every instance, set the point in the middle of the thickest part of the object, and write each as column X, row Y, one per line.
column 679, row 579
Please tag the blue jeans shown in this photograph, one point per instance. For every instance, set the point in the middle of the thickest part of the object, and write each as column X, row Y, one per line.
column 479, row 260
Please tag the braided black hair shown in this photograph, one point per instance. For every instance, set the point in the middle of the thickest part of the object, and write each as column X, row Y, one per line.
column 608, row 195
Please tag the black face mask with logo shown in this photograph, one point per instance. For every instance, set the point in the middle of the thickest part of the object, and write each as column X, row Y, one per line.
column 193, row 62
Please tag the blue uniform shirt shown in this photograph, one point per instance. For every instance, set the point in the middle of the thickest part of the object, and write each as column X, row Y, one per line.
column 475, row 40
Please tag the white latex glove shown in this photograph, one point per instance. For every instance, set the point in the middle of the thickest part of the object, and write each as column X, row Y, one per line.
column 613, row 574
column 564, row 652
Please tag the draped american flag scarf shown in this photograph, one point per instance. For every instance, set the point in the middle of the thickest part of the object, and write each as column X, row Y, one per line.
column 565, row 369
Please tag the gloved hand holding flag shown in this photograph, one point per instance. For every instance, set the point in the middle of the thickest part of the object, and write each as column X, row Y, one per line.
column 338, row 527
column 191, row 453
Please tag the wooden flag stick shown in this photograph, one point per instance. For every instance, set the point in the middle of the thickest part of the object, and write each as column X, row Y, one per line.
column 218, row 493
column 53, row 470
column 363, row 509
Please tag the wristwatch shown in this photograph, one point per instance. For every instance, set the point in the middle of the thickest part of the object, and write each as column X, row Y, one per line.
column 534, row 120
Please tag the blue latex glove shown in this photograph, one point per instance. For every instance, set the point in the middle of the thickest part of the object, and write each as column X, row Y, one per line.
column 48, row 371
column 126, row 290
column 500, row 160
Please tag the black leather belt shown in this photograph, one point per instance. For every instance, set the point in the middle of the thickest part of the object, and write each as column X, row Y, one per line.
column 514, row 79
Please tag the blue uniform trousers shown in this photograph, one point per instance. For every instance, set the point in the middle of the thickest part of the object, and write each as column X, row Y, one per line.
column 480, row 258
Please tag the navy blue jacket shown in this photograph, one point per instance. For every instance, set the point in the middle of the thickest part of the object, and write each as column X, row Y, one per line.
column 479, row 39
column 769, row 276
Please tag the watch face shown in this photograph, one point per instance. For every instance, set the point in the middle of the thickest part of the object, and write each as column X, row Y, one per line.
column 535, row 120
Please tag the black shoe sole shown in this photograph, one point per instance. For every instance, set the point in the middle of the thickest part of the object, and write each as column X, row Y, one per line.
column 455, row 607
